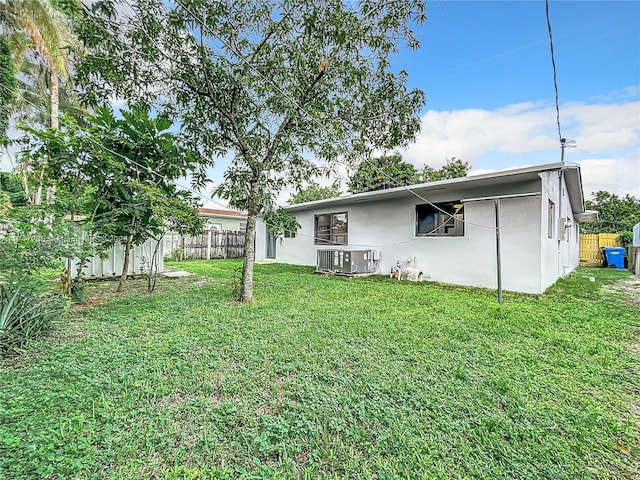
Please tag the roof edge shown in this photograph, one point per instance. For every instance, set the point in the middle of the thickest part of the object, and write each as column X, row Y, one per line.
column 452, row 181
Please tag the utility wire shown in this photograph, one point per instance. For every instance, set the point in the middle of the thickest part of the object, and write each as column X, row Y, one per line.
column 555, row 78
column 157, row 174
column 294, row 103
column 284, row 95
column 324, row 241
column 201, row 23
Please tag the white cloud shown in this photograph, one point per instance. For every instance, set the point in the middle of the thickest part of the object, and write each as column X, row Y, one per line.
column 603, row 128
column 607, row 137
column 469, row 134
column 615, row 175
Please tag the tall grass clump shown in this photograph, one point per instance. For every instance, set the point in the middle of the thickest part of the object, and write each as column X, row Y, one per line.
column 24, row 314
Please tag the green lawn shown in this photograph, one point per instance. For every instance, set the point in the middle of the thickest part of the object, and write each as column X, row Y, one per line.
column 329, row 378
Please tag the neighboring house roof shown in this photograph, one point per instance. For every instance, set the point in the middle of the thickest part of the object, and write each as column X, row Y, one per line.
column 573, row 181
column 213, row 212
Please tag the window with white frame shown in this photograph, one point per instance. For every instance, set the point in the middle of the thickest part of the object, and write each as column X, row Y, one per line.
column 331, row 229
column 440, row 220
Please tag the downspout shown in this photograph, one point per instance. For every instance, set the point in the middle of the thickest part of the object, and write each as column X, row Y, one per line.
column 498, row 259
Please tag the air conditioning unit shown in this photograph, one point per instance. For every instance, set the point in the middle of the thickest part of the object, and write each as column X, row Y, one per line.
column 346, row 261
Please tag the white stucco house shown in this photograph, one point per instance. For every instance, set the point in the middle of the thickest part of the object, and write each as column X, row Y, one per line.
column 223, row 220
column 447, row 229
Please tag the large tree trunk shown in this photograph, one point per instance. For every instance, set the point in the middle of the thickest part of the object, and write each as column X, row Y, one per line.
column 55, row 125
column 125, row 267
column 248, row 259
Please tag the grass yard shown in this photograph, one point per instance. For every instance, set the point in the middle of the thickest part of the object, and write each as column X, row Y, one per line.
column 329, row 378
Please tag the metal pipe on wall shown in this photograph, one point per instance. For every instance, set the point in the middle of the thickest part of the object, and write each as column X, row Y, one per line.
column 498, row 261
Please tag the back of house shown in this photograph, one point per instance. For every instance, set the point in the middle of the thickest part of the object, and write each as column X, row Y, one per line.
column 520, row 224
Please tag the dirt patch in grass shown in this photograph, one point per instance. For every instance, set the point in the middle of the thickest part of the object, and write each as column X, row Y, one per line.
column 104, row 290
column 172, row 401
column 629, row 287
column 91, row 302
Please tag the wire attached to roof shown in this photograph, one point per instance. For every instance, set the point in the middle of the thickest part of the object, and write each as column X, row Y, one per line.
column 564, row 143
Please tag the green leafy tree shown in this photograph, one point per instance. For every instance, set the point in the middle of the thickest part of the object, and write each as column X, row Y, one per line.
column 278, row 85
column 313, row 191
column 36, row 238
column 615, row 214
column 381, row 173
column 116, row 157
column 11, row 185
column 453, row 168
column 39, row 37
column 38, row 26
column 281, row 222
column 172, row 214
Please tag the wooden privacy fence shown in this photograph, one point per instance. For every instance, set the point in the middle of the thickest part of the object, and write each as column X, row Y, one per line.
column 209, row 244
column 591, row 247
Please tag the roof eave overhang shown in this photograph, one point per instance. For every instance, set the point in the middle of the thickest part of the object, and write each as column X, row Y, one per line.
column 572, row 176
column 586, row 216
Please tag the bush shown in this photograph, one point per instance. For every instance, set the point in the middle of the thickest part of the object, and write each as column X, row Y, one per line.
column 24, row 314
column 178, row 255
column 626, row 238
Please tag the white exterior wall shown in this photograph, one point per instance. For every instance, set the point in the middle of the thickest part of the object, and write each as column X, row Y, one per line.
column 385, row 221
column 560, row 254
column 389, row 227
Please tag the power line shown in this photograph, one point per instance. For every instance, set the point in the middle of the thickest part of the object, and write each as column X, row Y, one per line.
column 553, row 63
column 293, row 102
column 153, row 172
column 273, row 225
column 284, row 95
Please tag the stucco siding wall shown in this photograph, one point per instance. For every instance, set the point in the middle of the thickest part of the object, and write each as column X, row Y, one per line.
column 225, row 223
column 389, row 227
column 561, row 253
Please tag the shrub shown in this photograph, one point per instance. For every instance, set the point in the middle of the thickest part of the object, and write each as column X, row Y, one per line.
column 78, row 291
column 24, row 314
column 626, row 238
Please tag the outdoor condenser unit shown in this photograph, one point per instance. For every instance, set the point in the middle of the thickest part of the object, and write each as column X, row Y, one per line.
column 346, row 261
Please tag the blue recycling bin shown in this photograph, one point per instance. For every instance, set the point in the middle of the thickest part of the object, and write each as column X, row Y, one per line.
column 614, row 256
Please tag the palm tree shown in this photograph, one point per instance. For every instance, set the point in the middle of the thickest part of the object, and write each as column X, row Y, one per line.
column 39, row 36
column 41, row 33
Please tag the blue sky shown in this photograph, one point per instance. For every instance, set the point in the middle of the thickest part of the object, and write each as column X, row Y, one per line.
column 478, row 54
column 486, row 70
column 485, row 67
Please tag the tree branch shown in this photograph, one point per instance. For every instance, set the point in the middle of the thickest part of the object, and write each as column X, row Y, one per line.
column 286, row 124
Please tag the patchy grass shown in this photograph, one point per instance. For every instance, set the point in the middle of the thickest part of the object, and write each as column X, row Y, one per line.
column 328, row 378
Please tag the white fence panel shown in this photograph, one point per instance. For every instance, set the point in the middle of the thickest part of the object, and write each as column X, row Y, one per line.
column 111, row 266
